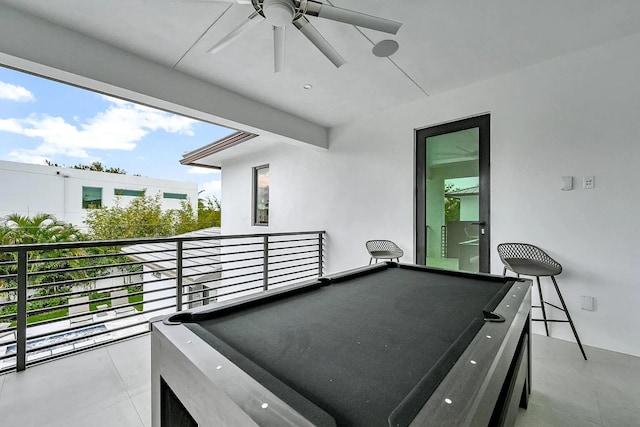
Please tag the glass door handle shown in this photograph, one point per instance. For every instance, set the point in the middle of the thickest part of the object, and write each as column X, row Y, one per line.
column 482, row 224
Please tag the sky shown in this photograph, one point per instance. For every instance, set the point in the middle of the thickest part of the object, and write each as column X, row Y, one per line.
column 42, row 120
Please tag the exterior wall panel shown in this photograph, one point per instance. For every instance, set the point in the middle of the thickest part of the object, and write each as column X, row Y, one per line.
column 29, row 189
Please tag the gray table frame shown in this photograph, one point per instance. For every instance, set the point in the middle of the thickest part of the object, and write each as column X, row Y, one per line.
column 217, row 393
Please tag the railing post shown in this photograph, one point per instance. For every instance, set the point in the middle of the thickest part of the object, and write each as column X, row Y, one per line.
column 265, row 265
column 21, row 313
column 179, row 275
column 320, row 255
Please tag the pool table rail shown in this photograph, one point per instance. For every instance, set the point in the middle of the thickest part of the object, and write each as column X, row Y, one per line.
column 212, row 388
column 478, row 390
column 470, row 394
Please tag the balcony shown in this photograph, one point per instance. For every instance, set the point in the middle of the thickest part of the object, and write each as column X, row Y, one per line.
column 102, row 378
column 59, row 299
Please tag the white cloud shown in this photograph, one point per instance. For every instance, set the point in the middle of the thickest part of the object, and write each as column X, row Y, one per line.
column 119, row 127
column 113, row 100
column 203, row 171
column 10, row 125
column 211, row 188
column 24, row 157
column 15, row 93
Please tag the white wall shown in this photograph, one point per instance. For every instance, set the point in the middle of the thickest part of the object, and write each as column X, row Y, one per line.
column 29, row 189
column 575, row 115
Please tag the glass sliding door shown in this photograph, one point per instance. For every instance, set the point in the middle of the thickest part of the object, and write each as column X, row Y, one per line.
column 452, row 198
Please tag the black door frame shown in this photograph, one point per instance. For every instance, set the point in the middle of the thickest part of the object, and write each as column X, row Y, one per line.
column 482, row 122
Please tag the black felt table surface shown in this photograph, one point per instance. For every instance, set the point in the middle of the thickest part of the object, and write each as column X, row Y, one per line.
column 359, row 347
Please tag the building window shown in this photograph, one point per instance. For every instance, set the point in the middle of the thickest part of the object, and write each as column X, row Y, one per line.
column 91, row 197
column 261, row 195
column 174, row 196
column 124, row 192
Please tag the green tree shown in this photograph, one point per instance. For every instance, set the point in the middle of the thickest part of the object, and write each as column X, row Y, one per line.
column 451, row 205
column 41, row 228
column 95, row 166
column 143, row 217
column 99, row 167
column 209, row 212
column 186, row 219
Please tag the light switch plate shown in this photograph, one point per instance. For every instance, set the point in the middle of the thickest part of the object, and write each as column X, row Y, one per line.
column 589, row 182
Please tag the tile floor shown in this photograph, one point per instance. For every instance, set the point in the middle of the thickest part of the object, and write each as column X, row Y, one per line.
column 567, row 391
column 110, row 387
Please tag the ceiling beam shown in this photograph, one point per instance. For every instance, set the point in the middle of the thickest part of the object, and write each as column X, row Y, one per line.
column 37, row 46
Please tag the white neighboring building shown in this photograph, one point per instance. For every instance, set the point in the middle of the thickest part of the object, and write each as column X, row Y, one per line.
column 29, row 189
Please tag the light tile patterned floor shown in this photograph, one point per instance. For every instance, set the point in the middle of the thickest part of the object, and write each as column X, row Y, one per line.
column 111, row 387
column 106, row 387
column 567, row 391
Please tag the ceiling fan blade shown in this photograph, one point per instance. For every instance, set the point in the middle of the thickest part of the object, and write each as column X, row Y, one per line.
column 320, row 42
column 278, row 48
column 254, row 18
column 346, row 16
column 214, row 1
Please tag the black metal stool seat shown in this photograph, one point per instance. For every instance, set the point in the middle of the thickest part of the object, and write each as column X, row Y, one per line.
column 383, row 249
column 530, row 267
column 529, row 260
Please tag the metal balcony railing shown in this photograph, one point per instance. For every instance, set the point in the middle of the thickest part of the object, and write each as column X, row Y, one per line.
column 61, row 298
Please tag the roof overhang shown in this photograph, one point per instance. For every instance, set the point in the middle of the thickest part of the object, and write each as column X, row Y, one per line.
column 89, row 63
column 195, row 157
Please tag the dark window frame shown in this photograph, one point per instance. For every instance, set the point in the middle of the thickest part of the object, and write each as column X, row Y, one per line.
column 128, row 193
column 176, row 196
column 255, row 216
column 87, row 204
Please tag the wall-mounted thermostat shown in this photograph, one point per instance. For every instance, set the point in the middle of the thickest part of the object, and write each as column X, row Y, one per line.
column 566, row 183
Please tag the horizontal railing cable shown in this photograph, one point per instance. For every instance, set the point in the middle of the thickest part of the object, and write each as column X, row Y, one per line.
column 66, row 297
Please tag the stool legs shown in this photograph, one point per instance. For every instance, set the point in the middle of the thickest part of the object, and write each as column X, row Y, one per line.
column 573, row 328
column 564, row 308
column 544, row 312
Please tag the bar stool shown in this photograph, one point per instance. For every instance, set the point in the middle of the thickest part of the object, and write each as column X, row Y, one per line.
column 529, row 260
column 383, row 249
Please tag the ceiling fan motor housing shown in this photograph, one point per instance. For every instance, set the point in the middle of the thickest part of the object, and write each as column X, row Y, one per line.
column 278, row 13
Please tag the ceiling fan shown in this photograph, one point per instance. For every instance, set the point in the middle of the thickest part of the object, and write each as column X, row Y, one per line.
column 279, row 13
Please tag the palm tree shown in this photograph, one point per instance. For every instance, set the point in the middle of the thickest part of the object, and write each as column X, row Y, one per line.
column 41, row 228
column 18, row 229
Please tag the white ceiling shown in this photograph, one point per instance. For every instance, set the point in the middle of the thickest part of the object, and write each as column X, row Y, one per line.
column 444, row 44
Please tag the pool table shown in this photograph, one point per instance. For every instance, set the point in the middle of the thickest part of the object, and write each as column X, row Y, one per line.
column 385, row 345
